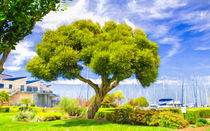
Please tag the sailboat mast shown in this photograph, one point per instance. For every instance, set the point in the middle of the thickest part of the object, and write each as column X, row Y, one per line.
column 196, row 102
column 182, row 94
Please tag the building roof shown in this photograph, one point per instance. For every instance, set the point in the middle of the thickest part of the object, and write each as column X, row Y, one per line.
column 5, row 76
column 28, row 82
column 166, row 99
column 14, row 78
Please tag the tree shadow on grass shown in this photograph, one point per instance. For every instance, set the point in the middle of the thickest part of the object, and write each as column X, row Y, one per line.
column 80, row 122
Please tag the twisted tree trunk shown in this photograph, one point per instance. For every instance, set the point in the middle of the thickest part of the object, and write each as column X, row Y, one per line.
column 94, row 106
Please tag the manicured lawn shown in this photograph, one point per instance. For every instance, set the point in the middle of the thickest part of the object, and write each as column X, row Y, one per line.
column 7, row 123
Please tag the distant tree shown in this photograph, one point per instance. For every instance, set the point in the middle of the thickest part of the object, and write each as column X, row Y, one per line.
column 4, row 97
column 26, row 101
column 17, row 20
column 131, row 102
column 114, row 52
column 141, row 102
column 119, row 96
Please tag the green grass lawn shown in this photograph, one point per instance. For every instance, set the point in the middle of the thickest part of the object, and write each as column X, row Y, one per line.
column 7, row 123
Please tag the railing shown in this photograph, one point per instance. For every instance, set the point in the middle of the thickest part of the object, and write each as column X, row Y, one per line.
column 14, row 92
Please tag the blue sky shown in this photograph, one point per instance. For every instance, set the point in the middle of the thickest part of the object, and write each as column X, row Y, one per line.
column 181, row 28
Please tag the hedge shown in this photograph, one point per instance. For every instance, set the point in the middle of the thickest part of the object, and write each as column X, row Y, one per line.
column 4, row 109
column 192, row 115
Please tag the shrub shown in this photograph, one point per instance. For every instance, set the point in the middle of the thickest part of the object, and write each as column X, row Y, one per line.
column 26, row 101
column 192, row 115
column 14, row 109
column 83, row 111
column 203, row 120
column 48, row 116
column 132, row 116
column 24, row 116
column 4, row 109
column 199, row 124
column 65, row 116
column 33, row 105
column 168, row 119
column 70, row 106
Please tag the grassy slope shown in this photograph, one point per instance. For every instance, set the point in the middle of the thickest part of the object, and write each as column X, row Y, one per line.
column 7, row 123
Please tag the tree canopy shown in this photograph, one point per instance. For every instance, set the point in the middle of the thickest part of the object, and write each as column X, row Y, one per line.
column 115, row 52
column 17, row 20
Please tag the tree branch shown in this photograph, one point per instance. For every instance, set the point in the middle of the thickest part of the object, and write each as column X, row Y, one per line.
column 112, row 86
column 95, row 86
column 3, row 59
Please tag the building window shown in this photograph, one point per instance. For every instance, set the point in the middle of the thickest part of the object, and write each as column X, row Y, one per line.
column 29, row 89
column 22, row 88
column 10, row 86
column 1, row 85
column 41, row 90
column 35, row 89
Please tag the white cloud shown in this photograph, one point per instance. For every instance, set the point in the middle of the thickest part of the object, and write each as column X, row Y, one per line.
column 131, row 24
column 154, row 9
column 12, row 68
column 75, row 12
column 174, row 42
column 20, row 55
column 96, row 81
column 202, row 48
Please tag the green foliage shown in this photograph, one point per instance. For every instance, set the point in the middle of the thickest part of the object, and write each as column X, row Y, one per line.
column 142, row 102
column 70, row 106
column 48, row 116
column 33, row 105
column 84, row 111
column 4, row 97
column 113, row 50
column 199, row 124
column 13, row 108
column 8, row 124
column 110, row 100
column 4, row 109
column 168, row 119
column 203, row 120
column 24, row 116
column 132, row 116
column 18, row 18
column 26, row 101
column 192, row 115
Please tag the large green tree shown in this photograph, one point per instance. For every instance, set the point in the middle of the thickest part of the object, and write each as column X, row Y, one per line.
column 114, row 52
column 17, row 20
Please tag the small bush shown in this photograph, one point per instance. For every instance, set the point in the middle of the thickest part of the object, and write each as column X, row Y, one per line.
column 25, row 116
column 70, row 106
column 199, row 124
column 83, row 111
column 168, row 119
column 33, row 105
column 65, row 116
column 14, row 109
column 48, row 116
column 132, row 116
column 4, row 109
column 203, row 120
